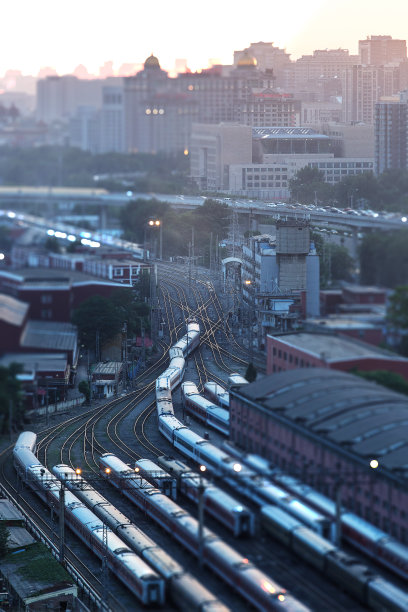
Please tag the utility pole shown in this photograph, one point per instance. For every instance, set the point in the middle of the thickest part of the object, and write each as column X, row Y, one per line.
column 62, row 523
column 201, row 494
column 192, row 243
column 211, row 247
column 10, row 417
column 189, row 264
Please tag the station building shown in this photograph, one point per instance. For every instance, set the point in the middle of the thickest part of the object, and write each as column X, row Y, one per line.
column 325, row 427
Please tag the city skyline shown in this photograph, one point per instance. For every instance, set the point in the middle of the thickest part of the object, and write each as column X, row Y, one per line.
column 92, row 35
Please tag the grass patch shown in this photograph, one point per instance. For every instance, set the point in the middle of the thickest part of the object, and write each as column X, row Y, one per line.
column 37, row 563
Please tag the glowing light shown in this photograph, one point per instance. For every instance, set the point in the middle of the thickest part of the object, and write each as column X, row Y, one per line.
column 129, row 194
column 161, row 111
column 374, row 464
column 157, row 222
column 404, row 219
column 247, row 282
column 85, row 235
column 155, row 111
column 268, row 587
column 151, row 222
column 71, row 238
column 94, row 244
column 185, row 151
column 85, row 241
column 2, row 256
column 190, row 87
column 148, row 111
column 237, row 467
column 203, row 468
column 11, row 215
column 50, row 232
column 107, row 470
column 245, row 560
column 78, row 471
column 60, row 235
column 137, row 470
column 281, row 597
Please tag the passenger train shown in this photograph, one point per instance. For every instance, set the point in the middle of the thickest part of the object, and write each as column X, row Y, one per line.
column 224, row 508
column 185, row 591
column 371, row 540
column 203, row 409
column 255, row 586
column 337, row 565
column 217, row 394
column 138, row 577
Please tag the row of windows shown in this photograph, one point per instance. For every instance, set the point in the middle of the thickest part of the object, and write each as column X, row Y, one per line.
column 269, row 184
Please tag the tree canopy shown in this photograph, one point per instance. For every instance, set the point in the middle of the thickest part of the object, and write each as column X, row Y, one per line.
column 106, row 316
column 10, row 391
column 384, row 258
column 336, row 264
column 177, row 226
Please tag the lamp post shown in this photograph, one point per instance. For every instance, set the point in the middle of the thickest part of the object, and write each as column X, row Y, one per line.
column 201, row 493
column 157, row 223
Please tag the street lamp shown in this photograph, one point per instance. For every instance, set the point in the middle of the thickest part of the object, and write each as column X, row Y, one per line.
column 201, row 492
column 156, row 223
column 374, row 464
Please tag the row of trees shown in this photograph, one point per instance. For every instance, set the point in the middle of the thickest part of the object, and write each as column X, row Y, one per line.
column 388, row 191
column 384, row 258
column 72, row 167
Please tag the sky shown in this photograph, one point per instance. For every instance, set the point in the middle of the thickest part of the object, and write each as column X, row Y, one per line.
column 63, row 34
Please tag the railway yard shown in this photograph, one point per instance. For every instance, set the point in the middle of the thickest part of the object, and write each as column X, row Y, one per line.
column 128, row 428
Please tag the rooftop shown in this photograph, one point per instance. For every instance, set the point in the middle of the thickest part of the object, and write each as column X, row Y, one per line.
column 35, row 278
column 361, row 416
column 334, row 348
column 49, row 335
column 36, row 362
column 12, row 311
column 287, row 132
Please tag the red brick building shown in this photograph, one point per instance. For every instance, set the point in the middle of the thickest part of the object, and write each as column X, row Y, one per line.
column 318, row 424
column 314, row 350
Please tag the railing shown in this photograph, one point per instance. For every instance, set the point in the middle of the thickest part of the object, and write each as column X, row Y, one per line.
column 54, row 408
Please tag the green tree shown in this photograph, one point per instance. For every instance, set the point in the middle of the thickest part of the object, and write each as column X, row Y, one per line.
column 4, row 536
column 391, row 380
column 308, row 185
column 10, row 391
column 97, row 314
column 251, row 372
column 384, row 258
column 83, row 387
column 397, row 313
column 336, row 263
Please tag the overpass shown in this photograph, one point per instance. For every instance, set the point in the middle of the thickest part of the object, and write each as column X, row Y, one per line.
column 48, row 201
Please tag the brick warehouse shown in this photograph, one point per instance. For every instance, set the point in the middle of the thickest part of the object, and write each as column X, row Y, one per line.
column 318, row 423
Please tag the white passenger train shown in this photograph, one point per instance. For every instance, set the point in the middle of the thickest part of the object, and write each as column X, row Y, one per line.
column 203, row 409
column 185, row 591
column 222, row 506
column 138, row 577
column 340, row 567
column 253, row 584
column 217, row 394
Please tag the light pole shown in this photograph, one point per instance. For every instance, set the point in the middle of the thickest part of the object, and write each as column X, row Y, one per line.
column 201, row 493
column 157, row 223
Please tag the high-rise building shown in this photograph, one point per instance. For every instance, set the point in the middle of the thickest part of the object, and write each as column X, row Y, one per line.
column 391, row 139
column 381, row 50
column 267, row 57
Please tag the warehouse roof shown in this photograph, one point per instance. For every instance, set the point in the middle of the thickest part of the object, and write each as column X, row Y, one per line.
column 49, row 335
column 333, row 348
column 366, row 418
column 12, row 311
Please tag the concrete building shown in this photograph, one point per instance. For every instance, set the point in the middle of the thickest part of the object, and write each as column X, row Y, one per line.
column 318, row 424
column 363, row 86
column 381, row 50
column 267, row 57
column 391, row 135
column 324, row 65
column 112, row 137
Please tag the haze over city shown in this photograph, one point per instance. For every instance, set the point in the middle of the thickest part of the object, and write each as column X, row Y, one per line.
column 63, row 35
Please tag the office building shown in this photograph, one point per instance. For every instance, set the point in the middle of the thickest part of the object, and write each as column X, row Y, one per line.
column 391, row 141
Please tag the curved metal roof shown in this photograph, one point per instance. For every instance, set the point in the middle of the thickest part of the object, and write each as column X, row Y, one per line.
column 370, row 420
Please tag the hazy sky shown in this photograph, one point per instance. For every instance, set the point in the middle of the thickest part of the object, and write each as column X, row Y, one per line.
column 64, row 34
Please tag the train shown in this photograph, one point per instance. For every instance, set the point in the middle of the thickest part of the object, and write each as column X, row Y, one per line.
column 223, row 507
column 361, row 534
column 254, row 585
column 217, row 394
column 337, row 565
column 133, row 571
column 158, row 476
column 184, row 590
column 236, row 379
column 204, row 410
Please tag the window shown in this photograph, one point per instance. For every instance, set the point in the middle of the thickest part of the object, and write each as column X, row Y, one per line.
column 46, row 298
column 280, row 354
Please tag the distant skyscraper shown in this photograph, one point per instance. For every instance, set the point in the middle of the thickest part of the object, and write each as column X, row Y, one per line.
column 391, row 135
column 381, row 50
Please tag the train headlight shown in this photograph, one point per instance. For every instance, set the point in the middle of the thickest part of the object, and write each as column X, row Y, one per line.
column 107, row 470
